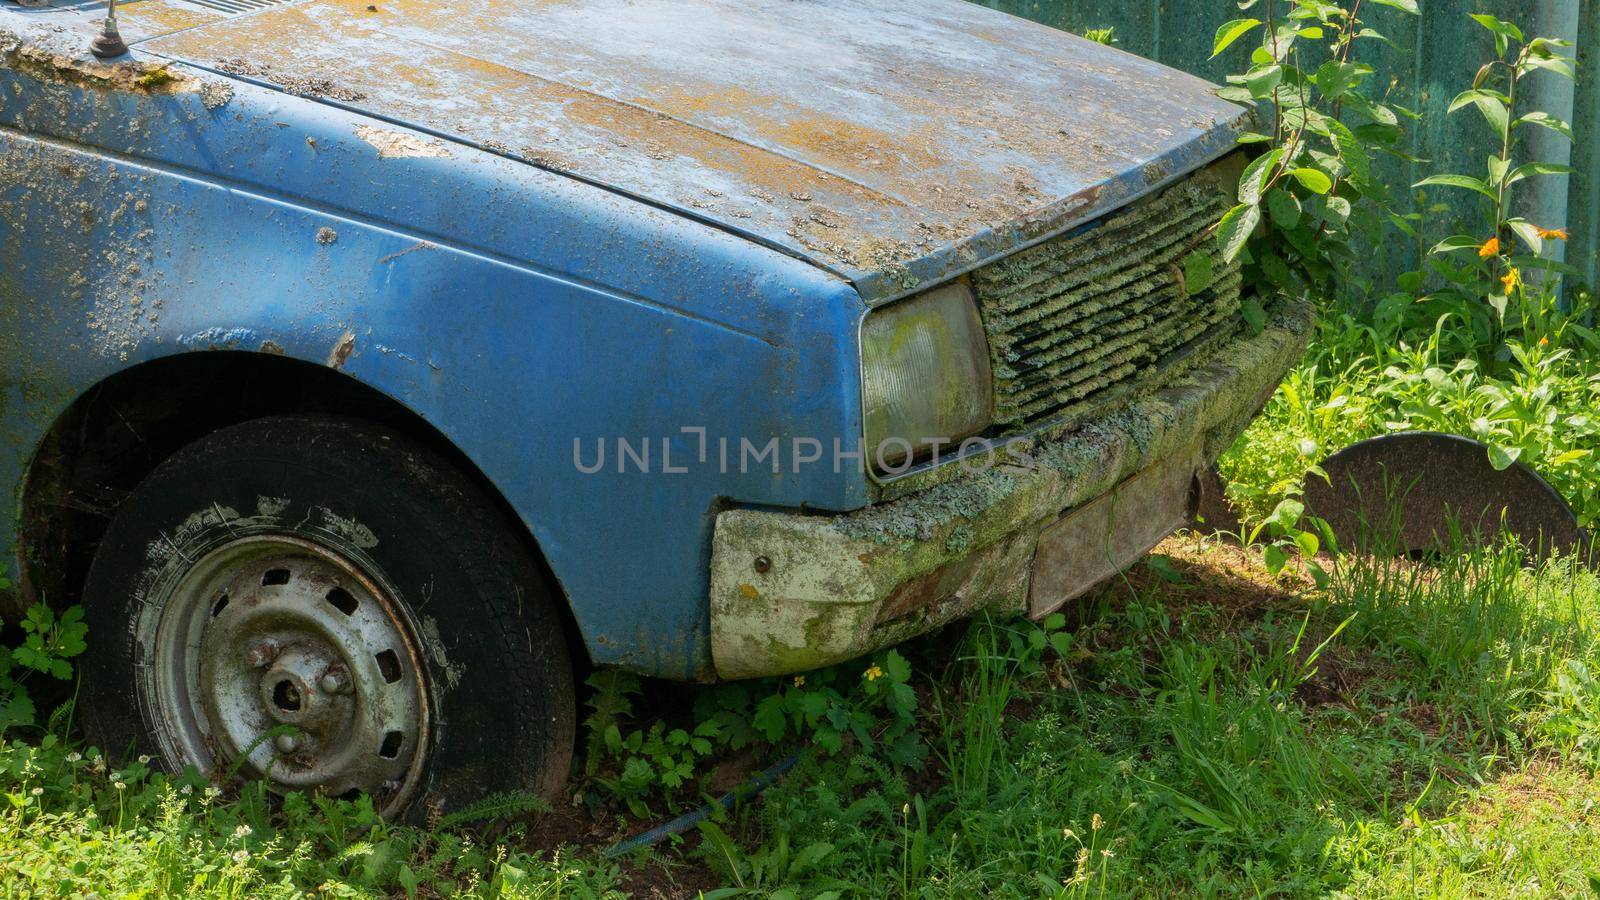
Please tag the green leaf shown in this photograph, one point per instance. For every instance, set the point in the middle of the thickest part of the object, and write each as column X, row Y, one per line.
column 1255, row 176
column 1502, row 457
column 769, row 718
column 1308, row 543
column 1283, row 208
column 1254, row 315
column 1528, row 232
column 1235, row 229
column 1476, row 94
column 1494, row 107
column 1231, row 31
column 1197, row 272
column 1545, row 120
column 1335, row 78
column 1161, row 566
column 1351, row 152
column 1314, row 180
column 1498, row 26
column 1496, row 167
column 1276, row 270
column 16, row 712
column 1457, row 242
column 1275, row 558
column 1409, row 6
column 1377, row 112
column 1336, row 211
column 896, row 666
column 1556, row 64
column 1528, row 170
column 1287, row 513
column 1459, row 181
column 1263, row 81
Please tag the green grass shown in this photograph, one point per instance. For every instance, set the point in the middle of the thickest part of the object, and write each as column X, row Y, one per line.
column 1536, row 403
column 1200, row 728
column 1230, row 738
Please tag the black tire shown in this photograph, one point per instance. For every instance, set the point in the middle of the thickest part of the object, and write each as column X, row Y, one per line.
column 494, row 663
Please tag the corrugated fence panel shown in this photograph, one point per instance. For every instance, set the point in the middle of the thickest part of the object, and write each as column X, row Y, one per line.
column 1583, row 202
column 1434, row 58
column 1449, row 48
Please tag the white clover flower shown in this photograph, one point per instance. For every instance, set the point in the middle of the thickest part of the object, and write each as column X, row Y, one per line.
column 118, row 785
column 186, row 790
column 144, row 760
column 37, row 792
column 74, row 756
column 242, row 831
column 240, row 856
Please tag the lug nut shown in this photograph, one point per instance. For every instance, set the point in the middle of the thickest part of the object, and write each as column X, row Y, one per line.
column 262, row 652
column 287, row 743
column 335, row 681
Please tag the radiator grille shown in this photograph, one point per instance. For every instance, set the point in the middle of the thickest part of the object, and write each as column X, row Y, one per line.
column 236, row 7
column 1087, row 318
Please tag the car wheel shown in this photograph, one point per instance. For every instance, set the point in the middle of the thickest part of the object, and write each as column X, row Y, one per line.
column 326, row 605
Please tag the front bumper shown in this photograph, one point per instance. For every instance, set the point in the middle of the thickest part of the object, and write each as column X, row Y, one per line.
column 792, row 592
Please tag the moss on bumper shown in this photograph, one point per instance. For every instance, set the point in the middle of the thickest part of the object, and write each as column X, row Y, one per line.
column 828, row 588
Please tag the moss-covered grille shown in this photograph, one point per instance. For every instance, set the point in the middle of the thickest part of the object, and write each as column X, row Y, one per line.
column 1092, row 316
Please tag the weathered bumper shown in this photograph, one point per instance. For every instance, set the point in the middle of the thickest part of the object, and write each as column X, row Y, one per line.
column 791, row 592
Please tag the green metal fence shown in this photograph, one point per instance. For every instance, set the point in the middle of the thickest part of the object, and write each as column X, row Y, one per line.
column 1434, row 58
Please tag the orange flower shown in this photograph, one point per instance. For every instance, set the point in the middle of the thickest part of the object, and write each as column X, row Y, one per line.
column 1511, row 279
column 1544, row 341
column 1553, row 234
column 1491, row 247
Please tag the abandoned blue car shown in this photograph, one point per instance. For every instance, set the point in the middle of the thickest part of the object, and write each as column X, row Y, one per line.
column 369, row 366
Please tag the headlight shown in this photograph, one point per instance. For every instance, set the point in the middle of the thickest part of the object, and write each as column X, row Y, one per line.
column 925, row 374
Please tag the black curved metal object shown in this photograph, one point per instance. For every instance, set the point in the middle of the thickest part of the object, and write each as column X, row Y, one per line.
column 1406, row 492
column 1213, row 511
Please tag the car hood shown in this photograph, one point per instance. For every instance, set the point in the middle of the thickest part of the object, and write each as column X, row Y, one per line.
column 894, row 142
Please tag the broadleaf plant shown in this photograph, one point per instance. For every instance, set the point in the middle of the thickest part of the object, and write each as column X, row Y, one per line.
column 1313, row 186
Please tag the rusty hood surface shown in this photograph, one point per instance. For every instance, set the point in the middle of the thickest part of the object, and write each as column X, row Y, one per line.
column 893, row 142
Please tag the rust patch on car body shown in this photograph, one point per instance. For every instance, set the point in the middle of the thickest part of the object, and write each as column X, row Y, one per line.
column 392, row 144
column 58, row 57
column 342, row 350
column 929, row 151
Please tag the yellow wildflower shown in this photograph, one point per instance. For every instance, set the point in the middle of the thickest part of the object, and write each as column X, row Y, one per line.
column 873, row 674
column 1491, row 247
column 799, row 681
column 1511, row 279
column 1553, row 234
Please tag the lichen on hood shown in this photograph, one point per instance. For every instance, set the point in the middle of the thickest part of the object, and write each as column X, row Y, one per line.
column 62, row 56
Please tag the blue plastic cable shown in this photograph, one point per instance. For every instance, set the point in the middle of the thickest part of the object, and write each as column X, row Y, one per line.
column 750, row 788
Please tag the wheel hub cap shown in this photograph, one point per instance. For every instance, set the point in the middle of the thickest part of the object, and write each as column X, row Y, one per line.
column 282, row 657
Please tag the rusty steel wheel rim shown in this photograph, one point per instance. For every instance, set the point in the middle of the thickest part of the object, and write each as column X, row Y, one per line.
column 279, row 659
